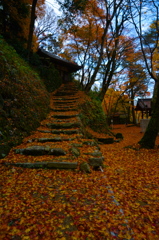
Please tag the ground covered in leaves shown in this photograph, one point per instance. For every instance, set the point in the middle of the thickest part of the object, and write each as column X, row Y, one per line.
column 122, row 202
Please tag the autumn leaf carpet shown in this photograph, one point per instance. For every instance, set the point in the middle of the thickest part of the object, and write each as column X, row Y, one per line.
column 44, row 203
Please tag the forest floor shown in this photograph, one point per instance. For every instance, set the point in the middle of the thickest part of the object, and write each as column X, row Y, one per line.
column 119, row 202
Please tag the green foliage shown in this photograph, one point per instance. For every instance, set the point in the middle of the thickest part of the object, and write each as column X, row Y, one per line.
column 95, row 94
column 23, row 98
column 50, row 77
column 92, row 115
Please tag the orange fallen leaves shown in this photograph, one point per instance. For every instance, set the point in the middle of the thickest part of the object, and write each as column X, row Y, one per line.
column 120, row 203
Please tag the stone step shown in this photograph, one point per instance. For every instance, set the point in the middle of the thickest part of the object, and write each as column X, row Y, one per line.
column 65, row 98
column 40, row 150
column 64, row 125
column 45, row 165
column 62, row 116
column 51, row 139
column 66, row 132
column 63, row 109
column 55, row 139
column 56, row 120
column 44, row 131
column 65, row 102
column 63, row 105
column 65, row 93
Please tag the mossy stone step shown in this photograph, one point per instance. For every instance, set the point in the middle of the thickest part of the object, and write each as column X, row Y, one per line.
column 44, row 131
column 54, row 139
column 63, row 109
column 41, row 150
column 64, row 125
column 65, row 102
column 61, row 116
column 47, row 165
column 65, row 98
column 67, row 132
column 65, row 93
column 56, row 120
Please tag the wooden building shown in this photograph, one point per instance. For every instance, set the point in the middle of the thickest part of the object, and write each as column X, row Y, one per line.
column 144, row 106
column 64, row 66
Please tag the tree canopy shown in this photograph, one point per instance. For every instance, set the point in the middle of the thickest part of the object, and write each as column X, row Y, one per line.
column 108, row 38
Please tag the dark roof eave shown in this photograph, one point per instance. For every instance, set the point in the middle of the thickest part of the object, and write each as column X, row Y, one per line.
column 73, row 67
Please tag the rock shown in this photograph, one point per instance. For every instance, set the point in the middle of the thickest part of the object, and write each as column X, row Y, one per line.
column 96, row 162
column 84, row 167
column 41, row 150
column 95, row 154
column 106, row 140
column 119, row 136
column 75, row 151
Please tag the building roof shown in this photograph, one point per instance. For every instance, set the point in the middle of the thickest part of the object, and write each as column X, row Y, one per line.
column 73, row 67
column 143, row 104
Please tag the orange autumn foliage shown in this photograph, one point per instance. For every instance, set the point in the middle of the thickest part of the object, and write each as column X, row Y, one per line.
column 121, row 202
column 118, row 202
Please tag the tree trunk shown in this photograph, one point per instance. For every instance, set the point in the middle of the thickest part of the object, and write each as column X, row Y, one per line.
column 4, row 17
column 149, row 138
column 91, row 82
column 133, row 107
column 31, row 28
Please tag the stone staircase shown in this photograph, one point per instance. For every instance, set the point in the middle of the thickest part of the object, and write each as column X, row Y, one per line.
column 59, row 142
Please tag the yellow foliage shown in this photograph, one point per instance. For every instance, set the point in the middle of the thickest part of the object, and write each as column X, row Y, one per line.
column 113, row 101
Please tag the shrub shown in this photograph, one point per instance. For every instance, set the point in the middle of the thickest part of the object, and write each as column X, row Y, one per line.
column 92, row 115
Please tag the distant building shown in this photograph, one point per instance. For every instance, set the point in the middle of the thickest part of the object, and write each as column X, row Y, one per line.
column 64, row 66
column 144, row 106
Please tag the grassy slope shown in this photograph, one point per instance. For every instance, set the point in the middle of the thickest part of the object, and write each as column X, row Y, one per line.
column 24, row 101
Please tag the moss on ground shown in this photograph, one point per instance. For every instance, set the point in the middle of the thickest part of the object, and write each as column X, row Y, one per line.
column 24, row 100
